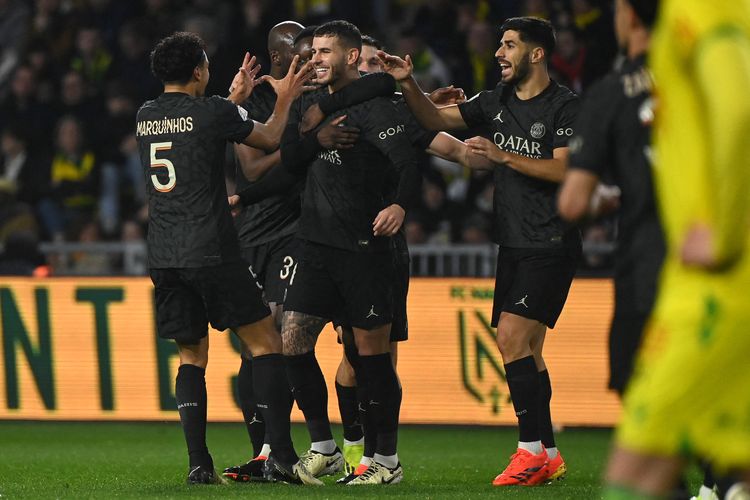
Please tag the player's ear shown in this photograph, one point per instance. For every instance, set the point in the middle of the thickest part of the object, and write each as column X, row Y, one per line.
column 197, row 73
column 353, row 57
column 537, row 55
column 275, row 57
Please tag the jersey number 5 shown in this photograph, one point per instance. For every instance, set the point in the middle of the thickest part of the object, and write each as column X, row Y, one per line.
column 162, row 162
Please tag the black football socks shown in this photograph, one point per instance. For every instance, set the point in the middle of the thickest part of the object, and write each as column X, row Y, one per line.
column 349, row 410
column 190, row 393
column 256, row 428
column 545, row 418
column 384, row 403
column 272, row 396
column 523, row 382
column 310, row 391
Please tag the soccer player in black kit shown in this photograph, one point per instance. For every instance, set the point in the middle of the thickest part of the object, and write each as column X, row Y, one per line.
column 267, row 228
column 194, row 257
column 266, row 232
column 529, row 120
column 345, row 271
column 613, row 139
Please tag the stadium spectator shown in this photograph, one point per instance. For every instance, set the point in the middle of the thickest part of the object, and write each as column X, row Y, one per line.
column 123, row 191
column 569, row 59
column 91, row 57
column 131, row 62
column 429, row 69
column 22, row 108
column 26, row 170
column 74, row 179
column 13, row 27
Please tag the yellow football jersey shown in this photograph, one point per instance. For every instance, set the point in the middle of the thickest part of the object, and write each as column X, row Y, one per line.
column 702, row 170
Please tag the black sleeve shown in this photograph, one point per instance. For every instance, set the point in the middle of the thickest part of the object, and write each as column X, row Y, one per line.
column 475, row 111
column 297, row 151
column 278, row 180
column 387, row 132
column 419, row 136
column 361, row 90
column 232, row 121
column 591, row 144
column 565, row 119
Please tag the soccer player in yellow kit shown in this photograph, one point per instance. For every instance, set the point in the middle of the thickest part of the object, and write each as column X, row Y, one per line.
column 690, row 394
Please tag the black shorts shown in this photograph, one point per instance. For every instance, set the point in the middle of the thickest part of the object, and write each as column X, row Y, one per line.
column 272, row 264
column 533, row 283
column 187, row 299
column 355, row 288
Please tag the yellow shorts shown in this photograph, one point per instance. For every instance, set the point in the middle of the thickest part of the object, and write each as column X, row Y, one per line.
column 690, row 394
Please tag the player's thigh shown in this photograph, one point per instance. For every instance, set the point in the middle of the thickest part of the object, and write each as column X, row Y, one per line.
column 180, row 312
column 231, row 295
column 365, row 280
column 311, row 290
column 690, row 392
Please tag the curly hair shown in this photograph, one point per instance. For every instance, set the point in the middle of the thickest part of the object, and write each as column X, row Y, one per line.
column 175, row 57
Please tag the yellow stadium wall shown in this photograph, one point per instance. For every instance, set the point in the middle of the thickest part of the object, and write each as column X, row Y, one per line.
column 86, row 349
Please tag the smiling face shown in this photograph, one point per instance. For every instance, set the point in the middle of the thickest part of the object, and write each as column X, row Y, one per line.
column 331, row 59
column 514, row 58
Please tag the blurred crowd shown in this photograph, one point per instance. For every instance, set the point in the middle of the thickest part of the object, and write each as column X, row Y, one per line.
column 74, row 72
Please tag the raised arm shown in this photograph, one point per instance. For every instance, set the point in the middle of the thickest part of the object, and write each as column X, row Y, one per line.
column 430, row 116
column 267, row 136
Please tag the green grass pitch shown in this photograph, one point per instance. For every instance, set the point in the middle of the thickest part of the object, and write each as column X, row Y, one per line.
column 148, row 460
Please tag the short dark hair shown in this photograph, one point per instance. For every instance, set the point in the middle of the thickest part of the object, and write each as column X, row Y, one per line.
column 349, row 34
column 307, row 32
column 175, row 57
column 534, row 30
column 372, row 42
column 645, row 10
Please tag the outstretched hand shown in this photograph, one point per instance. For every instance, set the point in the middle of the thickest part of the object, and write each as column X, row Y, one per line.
column 398, row 68
column 244, row 81
column 294, row 83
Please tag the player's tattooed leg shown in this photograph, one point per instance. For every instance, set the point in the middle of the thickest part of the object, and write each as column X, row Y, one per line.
column 299, row 332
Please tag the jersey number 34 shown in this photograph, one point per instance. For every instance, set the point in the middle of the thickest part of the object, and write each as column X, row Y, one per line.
column 162, row 163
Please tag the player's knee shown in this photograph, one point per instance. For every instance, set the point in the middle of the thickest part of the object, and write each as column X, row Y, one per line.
column 372, row 343
column 511, row 343
column 196, row 355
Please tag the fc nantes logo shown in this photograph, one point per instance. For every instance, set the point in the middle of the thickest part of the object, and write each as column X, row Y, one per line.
column 481, row 366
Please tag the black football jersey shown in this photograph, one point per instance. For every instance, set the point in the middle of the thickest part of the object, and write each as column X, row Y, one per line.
column 612, row 140
column 525, row 207
column 345, row 189
column 276, row 216
column 182, row 141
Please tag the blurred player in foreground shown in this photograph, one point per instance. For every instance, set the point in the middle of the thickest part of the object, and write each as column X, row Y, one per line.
column 690, row 393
